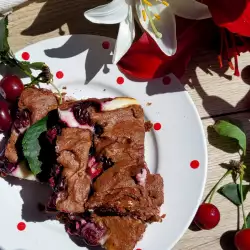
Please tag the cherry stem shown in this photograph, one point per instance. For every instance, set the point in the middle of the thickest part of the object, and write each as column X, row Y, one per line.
column 213, row 190
column 241, row 199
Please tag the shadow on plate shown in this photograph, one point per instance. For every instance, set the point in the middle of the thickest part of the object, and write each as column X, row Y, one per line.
column 96, row 59
column 34, row 196
column 156, row 86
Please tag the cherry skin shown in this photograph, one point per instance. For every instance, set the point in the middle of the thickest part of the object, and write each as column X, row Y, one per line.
column 242, row 239
column 11, row 87
column 5, row 118
column 207, row 216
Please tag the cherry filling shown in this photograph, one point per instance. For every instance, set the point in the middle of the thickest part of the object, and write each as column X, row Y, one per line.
column 98, row 129
column 90, row 232
column 52, row 133
column 6, row 167
column 107, row 162
column 57, row 182
column 22, row 121
column 81, row 113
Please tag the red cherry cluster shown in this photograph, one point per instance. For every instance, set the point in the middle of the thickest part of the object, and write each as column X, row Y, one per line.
column 208, row 217
column 11, row 88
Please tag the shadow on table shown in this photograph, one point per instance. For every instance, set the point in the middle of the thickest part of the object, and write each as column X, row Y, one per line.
column 55, row 13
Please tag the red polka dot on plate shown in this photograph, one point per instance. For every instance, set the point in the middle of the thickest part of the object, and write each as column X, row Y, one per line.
column 194, row 164
column 59, row 74
column 106, row 45
column 166, row 80
column 21, row 226
column 25, row 56
column 120, row 80
column 157, row 126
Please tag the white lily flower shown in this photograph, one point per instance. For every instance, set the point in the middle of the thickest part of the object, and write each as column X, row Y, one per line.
column 156, row 17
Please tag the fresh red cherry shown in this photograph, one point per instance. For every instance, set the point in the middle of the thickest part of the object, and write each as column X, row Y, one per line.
column 242, row 239
column 5, row 118
column 207, row 216
column 11, row 87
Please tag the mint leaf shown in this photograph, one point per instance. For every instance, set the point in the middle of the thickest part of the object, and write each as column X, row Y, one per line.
column 4, row 33
column 231, row 191
column 31, row 146
column 230, row 130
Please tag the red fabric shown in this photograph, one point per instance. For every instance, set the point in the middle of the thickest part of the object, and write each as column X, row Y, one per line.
column 233, row 15
column 145, row 60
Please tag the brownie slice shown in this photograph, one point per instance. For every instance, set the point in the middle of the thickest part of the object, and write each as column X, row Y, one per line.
column 124, row 188
column 73, row 147
column 124, row 195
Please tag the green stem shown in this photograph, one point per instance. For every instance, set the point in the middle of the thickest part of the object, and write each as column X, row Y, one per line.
column 242, row 201
column 216, row 186
column 58, row 91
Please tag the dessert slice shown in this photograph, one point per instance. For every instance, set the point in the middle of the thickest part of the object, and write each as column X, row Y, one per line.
column 124, row 188
column 115, row 185
column 33, row 105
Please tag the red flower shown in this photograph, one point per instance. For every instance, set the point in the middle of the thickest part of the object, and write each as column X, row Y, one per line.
column 233, row 15
column 145, row 60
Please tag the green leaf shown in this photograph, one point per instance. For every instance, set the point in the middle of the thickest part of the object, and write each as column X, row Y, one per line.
column 35, row 65
column 31, row 146
column 232, row 192
column 230, row 130
column 4, row 33
column 248, row 222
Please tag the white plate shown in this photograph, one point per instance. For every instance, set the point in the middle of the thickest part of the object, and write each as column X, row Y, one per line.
column 88, row 72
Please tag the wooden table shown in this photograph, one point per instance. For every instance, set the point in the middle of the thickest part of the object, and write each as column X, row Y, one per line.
column 216, row 93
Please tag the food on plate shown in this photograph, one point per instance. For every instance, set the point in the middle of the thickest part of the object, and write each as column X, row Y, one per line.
column 33, row 105
column 102, row 189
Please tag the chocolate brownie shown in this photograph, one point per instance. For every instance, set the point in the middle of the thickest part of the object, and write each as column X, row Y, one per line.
column 123, row 190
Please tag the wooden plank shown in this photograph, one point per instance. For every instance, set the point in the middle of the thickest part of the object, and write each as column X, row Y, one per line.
column 207, row 240
column 39, row 20
column 217, row 91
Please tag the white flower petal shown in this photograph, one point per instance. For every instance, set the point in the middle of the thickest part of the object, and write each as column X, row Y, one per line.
column 166, row 26
column 190, row 9
column 111, row 13
column 125, row 37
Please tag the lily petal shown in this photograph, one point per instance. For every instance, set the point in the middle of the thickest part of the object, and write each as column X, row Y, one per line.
column 190, row 9
column 166, row 26
column 111, row 13
column 125, row 37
